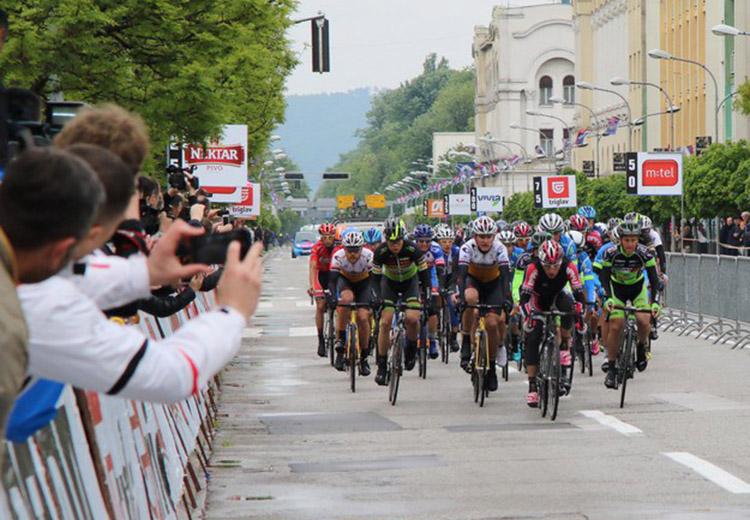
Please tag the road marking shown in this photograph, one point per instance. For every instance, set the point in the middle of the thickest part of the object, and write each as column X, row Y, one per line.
column 710, row 472
column 296, row 332
column 303, row 303
column 612, row 422
column 252, row 332
column 265, row 305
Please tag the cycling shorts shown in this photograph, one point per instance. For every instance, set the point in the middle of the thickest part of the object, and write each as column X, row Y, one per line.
column 490, row 293
column 636, row 293
column 361, row 289
column 323, row 280
column 390, row 289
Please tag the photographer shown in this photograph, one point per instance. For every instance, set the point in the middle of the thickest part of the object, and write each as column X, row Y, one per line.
column 48, row 199
column 151, row 204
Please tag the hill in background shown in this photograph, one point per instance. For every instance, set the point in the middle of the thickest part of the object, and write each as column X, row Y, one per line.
column 321, row 127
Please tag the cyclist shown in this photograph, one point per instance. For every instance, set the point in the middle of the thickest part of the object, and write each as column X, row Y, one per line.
column 553, row 224
column 398, row 267
column 508, row 239
column 589, row 213
column 484, row 277
column 350, row 279
column 523, row 234
column 544, row 288
column 652, row 240
column 445, row 237
column 622, row 276
column 613, row 226
column 373, row 238
column 320, row 265
column 579, row 223
column 502, row 225
column 588, row 278
column 433, row 255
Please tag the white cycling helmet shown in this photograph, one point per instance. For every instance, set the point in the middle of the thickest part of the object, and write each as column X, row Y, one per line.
column 353, row 239
column 577, row 237
column 551, row 223
column 484, row 226
column 507, row 236
column 442, row 232
column 646, row 223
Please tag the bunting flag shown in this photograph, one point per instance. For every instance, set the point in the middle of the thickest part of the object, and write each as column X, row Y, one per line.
column 612, row 124
column 540, row 151
column 583, row 134
column 514, row 160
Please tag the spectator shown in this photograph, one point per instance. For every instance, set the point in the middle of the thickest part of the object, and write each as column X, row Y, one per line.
column 745, row 228
column 48, row 199
column 726, row 231
column 686, row 238
column 701, row 237
column 735, row 236
column 151, row 204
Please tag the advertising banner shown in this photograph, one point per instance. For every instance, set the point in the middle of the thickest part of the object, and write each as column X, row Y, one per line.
column 657, row 174
column 555, row 191
column 345, row 201
column 375, row 201
column 489, row 200
column 435, row 208
column 249, row 206
column 221, row 166
column 458, row 204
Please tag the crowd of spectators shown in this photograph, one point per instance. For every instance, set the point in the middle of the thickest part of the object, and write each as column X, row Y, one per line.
column 733, row 236
column 85, row 243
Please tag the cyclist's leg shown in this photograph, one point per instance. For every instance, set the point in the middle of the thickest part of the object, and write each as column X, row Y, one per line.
column 410, row 291
column 533, row 329
column 362, row 297
column 389, row 296
column 565, row 303
column 320, row 309
column 468, row 320
column 432, row 323
column 346, row 296
column 491, row 293
column 643, row 322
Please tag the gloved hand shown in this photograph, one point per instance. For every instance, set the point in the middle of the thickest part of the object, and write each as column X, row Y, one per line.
column 655, row 309
column 609, row 304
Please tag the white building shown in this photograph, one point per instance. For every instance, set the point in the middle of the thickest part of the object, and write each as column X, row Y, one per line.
column 524, row 57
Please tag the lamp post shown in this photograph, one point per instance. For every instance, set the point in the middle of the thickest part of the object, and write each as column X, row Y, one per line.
column 596, row 121
column 550, row 116
column 516, row 126
column 621, row 81
column 588, row 86
column 641, row 120
column 659, row 54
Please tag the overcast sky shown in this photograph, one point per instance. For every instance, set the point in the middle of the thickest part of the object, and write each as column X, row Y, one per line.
column 380, row 43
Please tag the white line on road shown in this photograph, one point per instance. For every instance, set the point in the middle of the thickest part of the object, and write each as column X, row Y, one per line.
column 710, row 471
column 303, row 303
column 265, row 305
column 296, row 332
column 611, row 422
column 252, row 332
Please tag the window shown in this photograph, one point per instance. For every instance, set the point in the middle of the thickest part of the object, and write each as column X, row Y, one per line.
column 545, row 141
column 545, row 90
column 569, row 89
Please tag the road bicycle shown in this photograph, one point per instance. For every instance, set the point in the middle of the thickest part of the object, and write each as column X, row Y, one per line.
column 396, row 348
column 626, row 357
column 479, row 364
column 549, row 375
column 353, row 351
column 444, row 328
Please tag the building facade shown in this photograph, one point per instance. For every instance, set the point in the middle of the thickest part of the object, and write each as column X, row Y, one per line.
column 523, row 58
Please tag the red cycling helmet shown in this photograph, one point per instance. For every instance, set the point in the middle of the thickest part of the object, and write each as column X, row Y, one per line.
column 578, row 223
column 550, row 253
column 523, row 230
column 326, row 229
column 594, row 240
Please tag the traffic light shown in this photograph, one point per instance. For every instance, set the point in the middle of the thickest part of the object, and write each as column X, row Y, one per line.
column 294, row 176
column 335, row 176
column 321, row 61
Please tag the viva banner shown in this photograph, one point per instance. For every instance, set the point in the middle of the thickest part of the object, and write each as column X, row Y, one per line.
column 487, row 200
column 557, row 191
column 221, row 166
column 249, row 206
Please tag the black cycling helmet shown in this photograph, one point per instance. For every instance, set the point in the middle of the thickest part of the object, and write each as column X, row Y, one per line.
column 539, row 237
column 394, row 229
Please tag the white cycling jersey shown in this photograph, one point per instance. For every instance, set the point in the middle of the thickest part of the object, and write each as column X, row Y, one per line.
column 655, row 238
column 483, row 266
column 356, row 271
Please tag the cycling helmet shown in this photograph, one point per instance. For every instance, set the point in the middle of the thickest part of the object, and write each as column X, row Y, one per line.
column 601, row 227
column 501, row 225
column 327, row 229
column 507, row 236
column 632, row 217
column 614, row 235
column 394, row 229
column 646, row 223
column 629, row 228
column 587, row 212
column 594, row 240
column 538, row 237
column 551, row 223
column 373, row 236
column 353, row 239
column 613, row 223
column 444, row 232
column 523, row 230
column 484, row 226
column 423, row 231
column 577, row 237
column 578, row 223
column 550, row 253
column 469, row 230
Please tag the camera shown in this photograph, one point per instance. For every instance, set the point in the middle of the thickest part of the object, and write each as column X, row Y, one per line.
column 179, row 178
column 22, row 125
column 212, row 249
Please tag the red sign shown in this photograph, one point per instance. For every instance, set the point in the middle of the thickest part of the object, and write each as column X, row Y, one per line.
column 558, row 188
column 247, row 195
column 234, row 155
column 660, row 172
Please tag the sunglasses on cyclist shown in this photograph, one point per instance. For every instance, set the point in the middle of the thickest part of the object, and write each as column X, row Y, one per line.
column 353, row 249
column 424, row 241
column 485, row 237
column 556, row 264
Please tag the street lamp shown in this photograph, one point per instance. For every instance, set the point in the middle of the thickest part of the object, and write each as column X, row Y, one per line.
column 642, row 119
column 550, row 116
column 727, row 30
column 596, row 122
column 516, row 126
column 659, row 54
column 584, row 85
column 621, row 81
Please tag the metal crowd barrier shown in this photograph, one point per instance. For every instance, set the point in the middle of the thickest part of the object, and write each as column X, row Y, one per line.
column 106, row 457
column 709, row 296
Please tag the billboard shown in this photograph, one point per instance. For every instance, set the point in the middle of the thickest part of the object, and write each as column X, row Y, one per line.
column 555, row 191
column 435, row 208
column 345, row 201
column 489, row 200
column 249, row 206
column 657, row 174
column 221, row 166
column 457, row 204
column 375, row 201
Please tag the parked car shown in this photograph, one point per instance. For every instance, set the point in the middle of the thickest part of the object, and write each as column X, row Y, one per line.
column 303, row 243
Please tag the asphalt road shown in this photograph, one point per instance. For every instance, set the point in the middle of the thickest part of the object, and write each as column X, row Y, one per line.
column 295, row 443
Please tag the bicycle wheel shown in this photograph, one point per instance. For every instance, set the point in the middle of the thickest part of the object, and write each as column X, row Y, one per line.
column 394, row 366
column 572, row 371
column 543, row 379
column 483, row 367
column 508, row 352
column 587, row 344
column 445, row 327
column 424, row 343
column 351, row 355
column 626, row 365
column 329, row 335
column 579, row 350
column 555, row 381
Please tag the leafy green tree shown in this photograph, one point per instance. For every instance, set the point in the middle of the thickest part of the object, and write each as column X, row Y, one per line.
column 187, row 67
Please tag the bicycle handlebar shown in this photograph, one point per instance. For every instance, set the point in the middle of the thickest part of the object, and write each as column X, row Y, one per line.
column 544, row 314
column 631, row 309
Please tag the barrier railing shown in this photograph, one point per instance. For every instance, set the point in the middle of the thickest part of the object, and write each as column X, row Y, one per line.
column 709, row 296
column 105, row 457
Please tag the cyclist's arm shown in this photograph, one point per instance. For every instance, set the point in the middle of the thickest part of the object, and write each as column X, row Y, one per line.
column 589, row 285
column 574, row 280
column 653, row 287
column 662, row 259
column 506, row 280
column 527, row 288
column 605, row 275
column 518, row 275
column 314, row 282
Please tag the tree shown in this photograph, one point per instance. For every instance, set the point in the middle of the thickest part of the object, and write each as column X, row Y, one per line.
column 187, row 67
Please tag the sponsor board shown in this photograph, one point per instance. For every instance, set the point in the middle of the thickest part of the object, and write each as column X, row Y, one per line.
column 458, row 204
column 489, row 200
column 221, row 165
column 249, row 206
column 657, row 174
column 555, row 191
